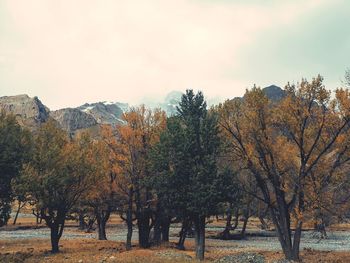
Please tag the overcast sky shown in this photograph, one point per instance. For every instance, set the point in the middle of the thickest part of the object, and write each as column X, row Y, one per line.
column 69, row 52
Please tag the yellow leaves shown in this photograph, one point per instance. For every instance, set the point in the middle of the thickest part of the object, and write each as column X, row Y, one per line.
column 298, row 215
column 250, row 149
column 119, row 156
column 296, row 144
column 142, row 127
column 342, row 102
column 255, row 98
column 313, row 91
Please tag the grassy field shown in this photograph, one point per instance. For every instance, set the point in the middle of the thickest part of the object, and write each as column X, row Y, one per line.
column 80, row 249
column 83, row 250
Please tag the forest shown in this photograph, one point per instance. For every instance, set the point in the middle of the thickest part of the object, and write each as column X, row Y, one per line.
column 285, row 162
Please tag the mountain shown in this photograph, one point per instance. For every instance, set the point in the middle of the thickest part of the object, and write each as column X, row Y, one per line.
column 30, row 112
column 171, row 101
column 274, row 93
column 105, row 112
column 71, row 119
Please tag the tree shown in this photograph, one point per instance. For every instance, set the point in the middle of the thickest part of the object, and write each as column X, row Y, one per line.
column 283, row 143
column 135, row 139
column 102, row 197
column 347, row 78
column 14, row 149
column 56, row 177
column 185, row 162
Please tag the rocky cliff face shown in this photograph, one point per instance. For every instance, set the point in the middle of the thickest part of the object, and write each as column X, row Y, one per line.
column 30, row 112
column 104, row 112
column 71, row 119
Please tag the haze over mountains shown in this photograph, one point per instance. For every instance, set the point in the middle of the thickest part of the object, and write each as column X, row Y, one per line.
column 31, row 112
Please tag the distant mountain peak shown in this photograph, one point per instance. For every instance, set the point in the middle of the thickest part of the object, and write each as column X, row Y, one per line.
column 105, row 112
column 30, row 112
column 72, row 119
column 274, row 92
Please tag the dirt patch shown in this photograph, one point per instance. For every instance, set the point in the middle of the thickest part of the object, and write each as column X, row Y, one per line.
column 17, row 257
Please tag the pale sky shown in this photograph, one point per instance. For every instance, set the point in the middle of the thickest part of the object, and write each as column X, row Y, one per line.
column 68, row 52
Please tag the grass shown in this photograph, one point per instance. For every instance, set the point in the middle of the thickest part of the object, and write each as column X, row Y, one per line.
column 90, row 250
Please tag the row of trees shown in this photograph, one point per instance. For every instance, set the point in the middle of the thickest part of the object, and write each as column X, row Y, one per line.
column 284, row 161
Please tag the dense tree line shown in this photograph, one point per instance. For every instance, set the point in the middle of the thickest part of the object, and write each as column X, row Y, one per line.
column 283, row 161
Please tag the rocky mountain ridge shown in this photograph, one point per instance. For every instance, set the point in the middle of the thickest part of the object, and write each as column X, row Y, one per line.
column 31, row 112
column 72, row 119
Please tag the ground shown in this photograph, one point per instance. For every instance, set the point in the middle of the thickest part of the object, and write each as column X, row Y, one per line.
column 28, row 242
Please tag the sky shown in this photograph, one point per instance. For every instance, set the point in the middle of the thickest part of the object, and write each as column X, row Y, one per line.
column 71, row 52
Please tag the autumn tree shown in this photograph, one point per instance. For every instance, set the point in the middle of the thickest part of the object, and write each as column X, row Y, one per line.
column 324, row 192
column 186, row 164
column 56, row 177
column 135, row 138
column 14, row 145
column 283, row 143
column 103, row 197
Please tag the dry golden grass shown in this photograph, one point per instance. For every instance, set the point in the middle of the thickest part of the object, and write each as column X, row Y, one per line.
column 84, row 250
column 89, row 250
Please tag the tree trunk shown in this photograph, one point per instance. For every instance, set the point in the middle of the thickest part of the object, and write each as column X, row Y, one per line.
column 101, row 229
column 236, row 220
column 165, row 229
column 157, row 235
column 129, row 234
column 298, row 229
column 129, row 220
column 82, row 224
column 20, row 206
column 56, row 229
column 245, row 222
column 186, row 224
column 199, row 225
column 54, row 240
column 226, row 233
column 262, row 217
column 264, row 225
column 102, row 218
column 290, row 244
column 144, row 229
column 37, row 216
column 90, row 224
